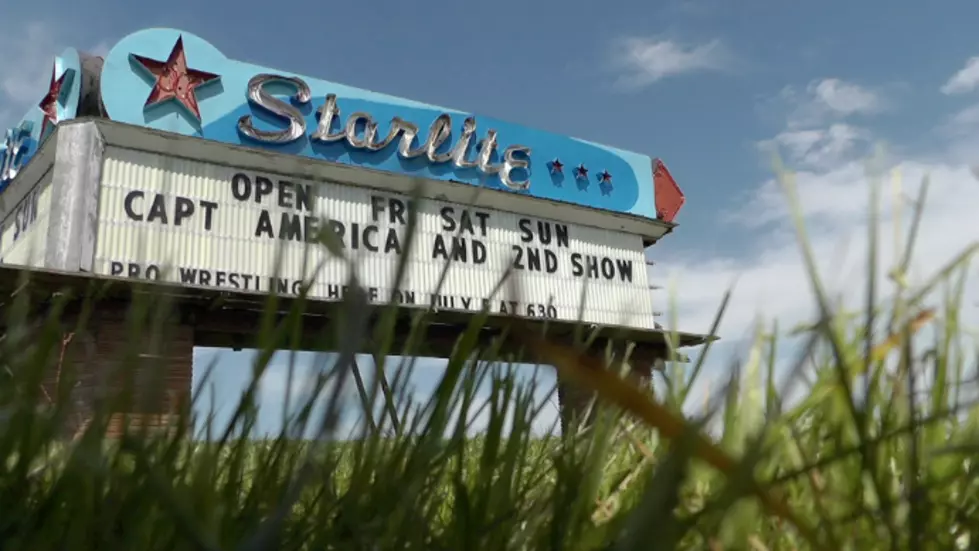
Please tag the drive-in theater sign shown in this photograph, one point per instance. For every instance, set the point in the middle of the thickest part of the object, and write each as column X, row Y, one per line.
column 168, row 161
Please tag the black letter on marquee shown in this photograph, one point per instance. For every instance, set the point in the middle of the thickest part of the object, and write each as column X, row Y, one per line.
column 311, row 228
column 127, row 204
column 369, row 232
column 466, row 222
column 241, row 186
column 576, row 268
column 479, row 252
column 398, row 210
column 377, row 207
column 392, row 243
column 185, row 209
column 263, row 187
column 561, row 233
column 339, row 230
column 459, row 251
column 526, row 234
column 285, row 197
column 550, row 261
column 625, row 269
column 302, row 197
column 209, row 207
column 291, row 228
column 264, row 225
column 448, row 222
column 438, row 249
column 158, row 210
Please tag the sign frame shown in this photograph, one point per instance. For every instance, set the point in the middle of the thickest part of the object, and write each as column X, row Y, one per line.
column 72, row 239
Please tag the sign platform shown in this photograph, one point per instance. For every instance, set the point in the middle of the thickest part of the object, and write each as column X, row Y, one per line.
column 222, row 318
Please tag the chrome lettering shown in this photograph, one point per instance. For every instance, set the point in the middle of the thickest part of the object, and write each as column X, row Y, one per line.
column 261, row 98
column 360, row 131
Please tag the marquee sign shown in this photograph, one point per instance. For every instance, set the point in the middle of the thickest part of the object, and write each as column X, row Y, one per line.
column 58, row 103
column 213, row 225
column 177, row 82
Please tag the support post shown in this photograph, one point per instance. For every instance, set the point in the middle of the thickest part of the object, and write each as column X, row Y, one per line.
column 578, row 405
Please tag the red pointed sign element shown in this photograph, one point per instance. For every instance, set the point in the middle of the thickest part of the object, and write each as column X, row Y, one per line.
column 669, row 198
column 49, row 105
column 174, row 80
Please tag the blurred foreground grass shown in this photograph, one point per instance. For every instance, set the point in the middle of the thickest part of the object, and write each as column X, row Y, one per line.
column 878, row 453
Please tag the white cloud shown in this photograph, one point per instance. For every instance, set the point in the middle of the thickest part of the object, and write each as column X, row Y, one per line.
column 818, row 147
column 962, row 129
column 772, row 282
column 845, row 98
column 826, row 100
column 817, row 141
column 25, row 66
column 965, row 80
column 644, row 61
column 968, row 117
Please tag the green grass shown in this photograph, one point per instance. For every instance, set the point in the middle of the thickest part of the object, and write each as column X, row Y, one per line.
column 875, row 455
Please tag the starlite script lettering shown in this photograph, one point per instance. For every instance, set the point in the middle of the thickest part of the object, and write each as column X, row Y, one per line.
column 360, row 131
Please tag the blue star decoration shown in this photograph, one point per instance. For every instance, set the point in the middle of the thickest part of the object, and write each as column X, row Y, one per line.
column 605, row 182
column 581, row 176
column 556, row 166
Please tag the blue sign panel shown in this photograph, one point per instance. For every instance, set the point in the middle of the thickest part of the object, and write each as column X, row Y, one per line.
column 58, row 103
column 176, row 82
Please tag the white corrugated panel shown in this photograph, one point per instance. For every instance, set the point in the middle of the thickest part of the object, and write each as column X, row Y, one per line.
column 23, row 237
column 234, row 253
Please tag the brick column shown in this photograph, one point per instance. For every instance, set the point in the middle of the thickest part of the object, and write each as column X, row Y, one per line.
column 574, row 401
column 109, row 360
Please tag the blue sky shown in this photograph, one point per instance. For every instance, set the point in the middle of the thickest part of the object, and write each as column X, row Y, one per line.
column 712, row 87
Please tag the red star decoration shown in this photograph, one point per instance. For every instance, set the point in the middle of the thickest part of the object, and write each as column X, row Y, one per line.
column 557, row 167
column 581, row 172
column 605, row 177
column 174, row 80
column 49, row 105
